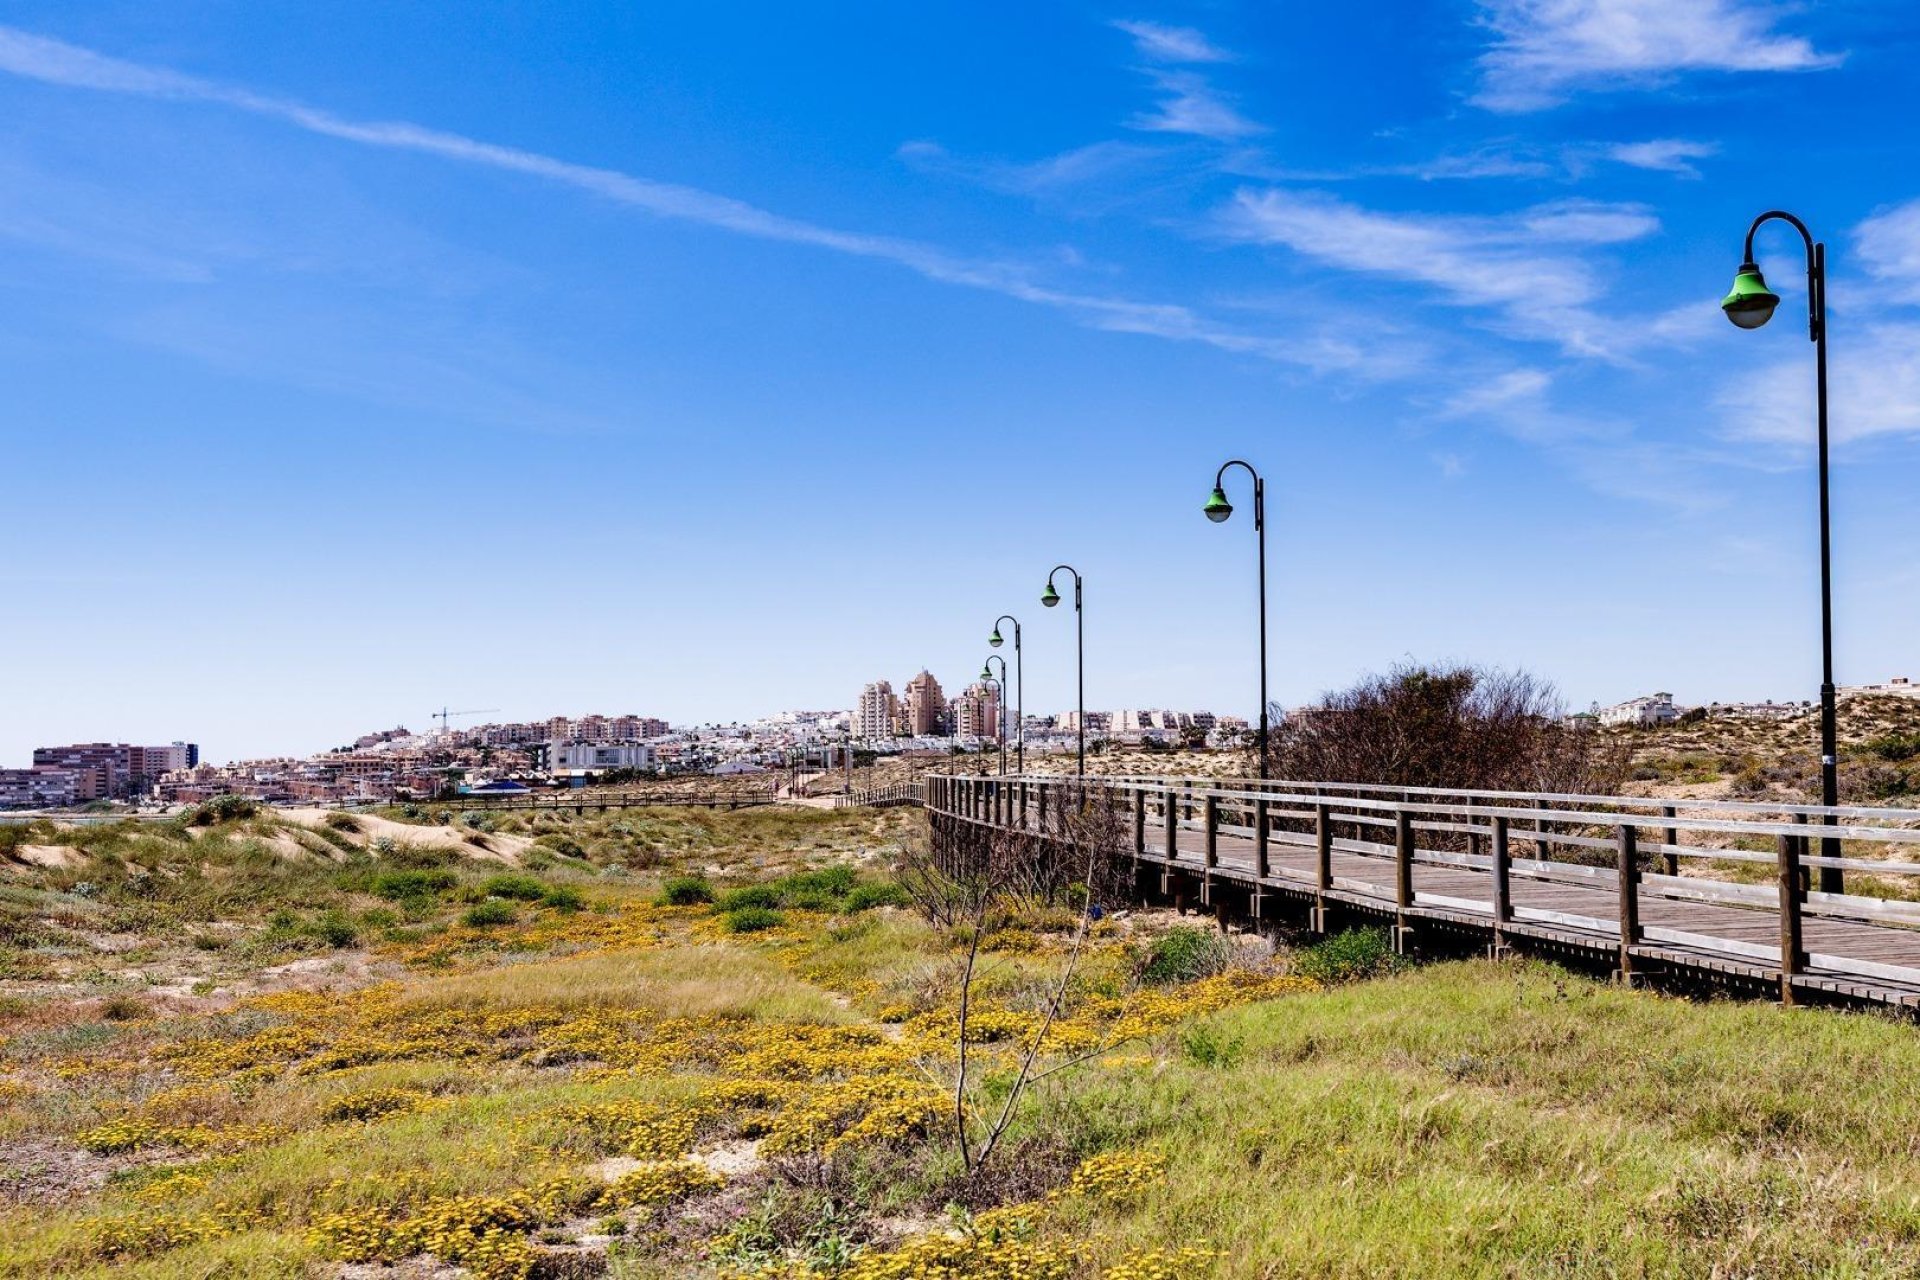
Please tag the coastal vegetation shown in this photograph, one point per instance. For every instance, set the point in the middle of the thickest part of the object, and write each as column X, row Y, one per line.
column 242, row 1049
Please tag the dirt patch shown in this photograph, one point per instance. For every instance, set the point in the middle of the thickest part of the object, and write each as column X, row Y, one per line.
column 49, row 1170
column 732, row 1160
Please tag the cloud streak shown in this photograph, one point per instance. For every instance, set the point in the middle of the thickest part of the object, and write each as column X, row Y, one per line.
column 55, row 62
column 1521, row 265
column 1549, row 49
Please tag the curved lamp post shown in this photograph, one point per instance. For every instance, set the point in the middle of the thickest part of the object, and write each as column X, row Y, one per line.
column 986, row 673
column 1051, row 597
column 1000, row 697
column 1217, row 510
column 1749, row 305
column 1019, row 687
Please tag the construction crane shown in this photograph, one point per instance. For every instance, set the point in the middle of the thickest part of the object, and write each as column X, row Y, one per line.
column 442, row 715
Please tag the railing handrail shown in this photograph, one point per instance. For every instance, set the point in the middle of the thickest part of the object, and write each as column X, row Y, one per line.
column 1748, row 806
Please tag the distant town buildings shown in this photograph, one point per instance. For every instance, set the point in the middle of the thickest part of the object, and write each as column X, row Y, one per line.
column 1650, row 711
column 570, row 760
column 976, row 712
column 1897, row 686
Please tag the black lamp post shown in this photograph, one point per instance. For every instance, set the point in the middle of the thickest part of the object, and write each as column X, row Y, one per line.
column 1749, row 305
column 986, row 673
column 1019, row 687
column 1000, row 697
column 1217, row 510
column 1051, row 597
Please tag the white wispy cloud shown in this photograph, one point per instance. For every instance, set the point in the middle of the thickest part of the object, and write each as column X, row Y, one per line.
column 1158, row 42
column 1190, row 104
column 1874, row 392
column 55, row 62
column 1664, row 155
column 1521, row 266
column 1889, row 245
column 1548, row 49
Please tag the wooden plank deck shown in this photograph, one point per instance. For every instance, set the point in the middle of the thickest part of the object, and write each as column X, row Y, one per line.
column 1693, row 923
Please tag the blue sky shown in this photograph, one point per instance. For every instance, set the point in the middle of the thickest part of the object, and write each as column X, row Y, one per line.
column 703, row 361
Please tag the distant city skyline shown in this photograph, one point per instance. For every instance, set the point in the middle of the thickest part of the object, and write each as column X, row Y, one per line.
column 709, row 360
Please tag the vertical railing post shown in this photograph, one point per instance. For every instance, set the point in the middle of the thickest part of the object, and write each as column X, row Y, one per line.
column 1262, row 864
column 1792, row 951
column 1806, row 845
column 1629, row 874
column 1171, row 806
column 1402, row 878
column 1322, row 863
column 1210, row 818
column 1670, row 859
column 1043, row 788
column 1139, row 821
column 1502, row 882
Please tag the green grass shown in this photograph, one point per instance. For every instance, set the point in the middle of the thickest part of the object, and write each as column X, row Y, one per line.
column 1478, row 1119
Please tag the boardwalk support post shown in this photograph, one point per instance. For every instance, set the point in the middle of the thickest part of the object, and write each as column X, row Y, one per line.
column 1672, row 834
column 1210, row 810
column 1402, row 881
column 1502, row 886
column 1792, row 953
column 1139, row 823
column 1322, row 864
column 1629, row 900
column 1170, row 808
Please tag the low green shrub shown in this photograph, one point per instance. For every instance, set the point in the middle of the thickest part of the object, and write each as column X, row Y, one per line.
column 866, row 896
column 562, row 898
column 835, row 882
column 494, row 911
column 751, row 895
column 1348, row 956
column 334, row 928
column 751, row 919
column 228, row 808
column 1184, row 953
column 1205, row 1045
column 519, row 888
column 396, row 886
column 685, row 891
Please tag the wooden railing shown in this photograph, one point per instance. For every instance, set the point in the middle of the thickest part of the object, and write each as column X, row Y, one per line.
column 1711, row 886
column 898, row 794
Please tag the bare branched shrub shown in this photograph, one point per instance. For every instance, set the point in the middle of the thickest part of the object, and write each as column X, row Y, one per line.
column 971, row 874
column 1470, row 728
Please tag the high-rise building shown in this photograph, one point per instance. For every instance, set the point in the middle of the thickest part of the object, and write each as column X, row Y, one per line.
column 875, row 713
column 976, row 712
column 926, row 706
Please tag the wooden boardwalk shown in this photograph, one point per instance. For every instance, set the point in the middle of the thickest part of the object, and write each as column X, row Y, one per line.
column 1649, row 887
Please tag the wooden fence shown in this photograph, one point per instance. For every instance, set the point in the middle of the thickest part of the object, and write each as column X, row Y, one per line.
column 1706, row 887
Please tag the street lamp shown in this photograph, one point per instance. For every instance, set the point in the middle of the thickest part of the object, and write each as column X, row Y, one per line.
column 986, row 673
column 1217, row 510
column 1019, row 686
column 1749, row 305
column 1000, row 698
column 1051, row 597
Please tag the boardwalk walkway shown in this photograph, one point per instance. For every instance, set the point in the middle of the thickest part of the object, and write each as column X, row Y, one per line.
column 1719, row 890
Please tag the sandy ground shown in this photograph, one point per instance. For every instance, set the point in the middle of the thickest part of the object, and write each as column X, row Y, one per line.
column 496, row 848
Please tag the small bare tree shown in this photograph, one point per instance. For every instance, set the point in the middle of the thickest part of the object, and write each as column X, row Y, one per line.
column 973, row 875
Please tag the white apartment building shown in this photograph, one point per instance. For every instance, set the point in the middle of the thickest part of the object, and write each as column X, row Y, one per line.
column 584, row 759
column 1650, row 710
column 874, row 713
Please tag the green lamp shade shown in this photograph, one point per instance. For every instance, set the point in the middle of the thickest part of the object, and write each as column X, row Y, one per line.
column 1218, row 508
column 986, row 672
column 1751, row 303
column 1049, row 597
column 994, row 639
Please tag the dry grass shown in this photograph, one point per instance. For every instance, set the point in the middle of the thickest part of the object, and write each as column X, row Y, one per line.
column 690, row 981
